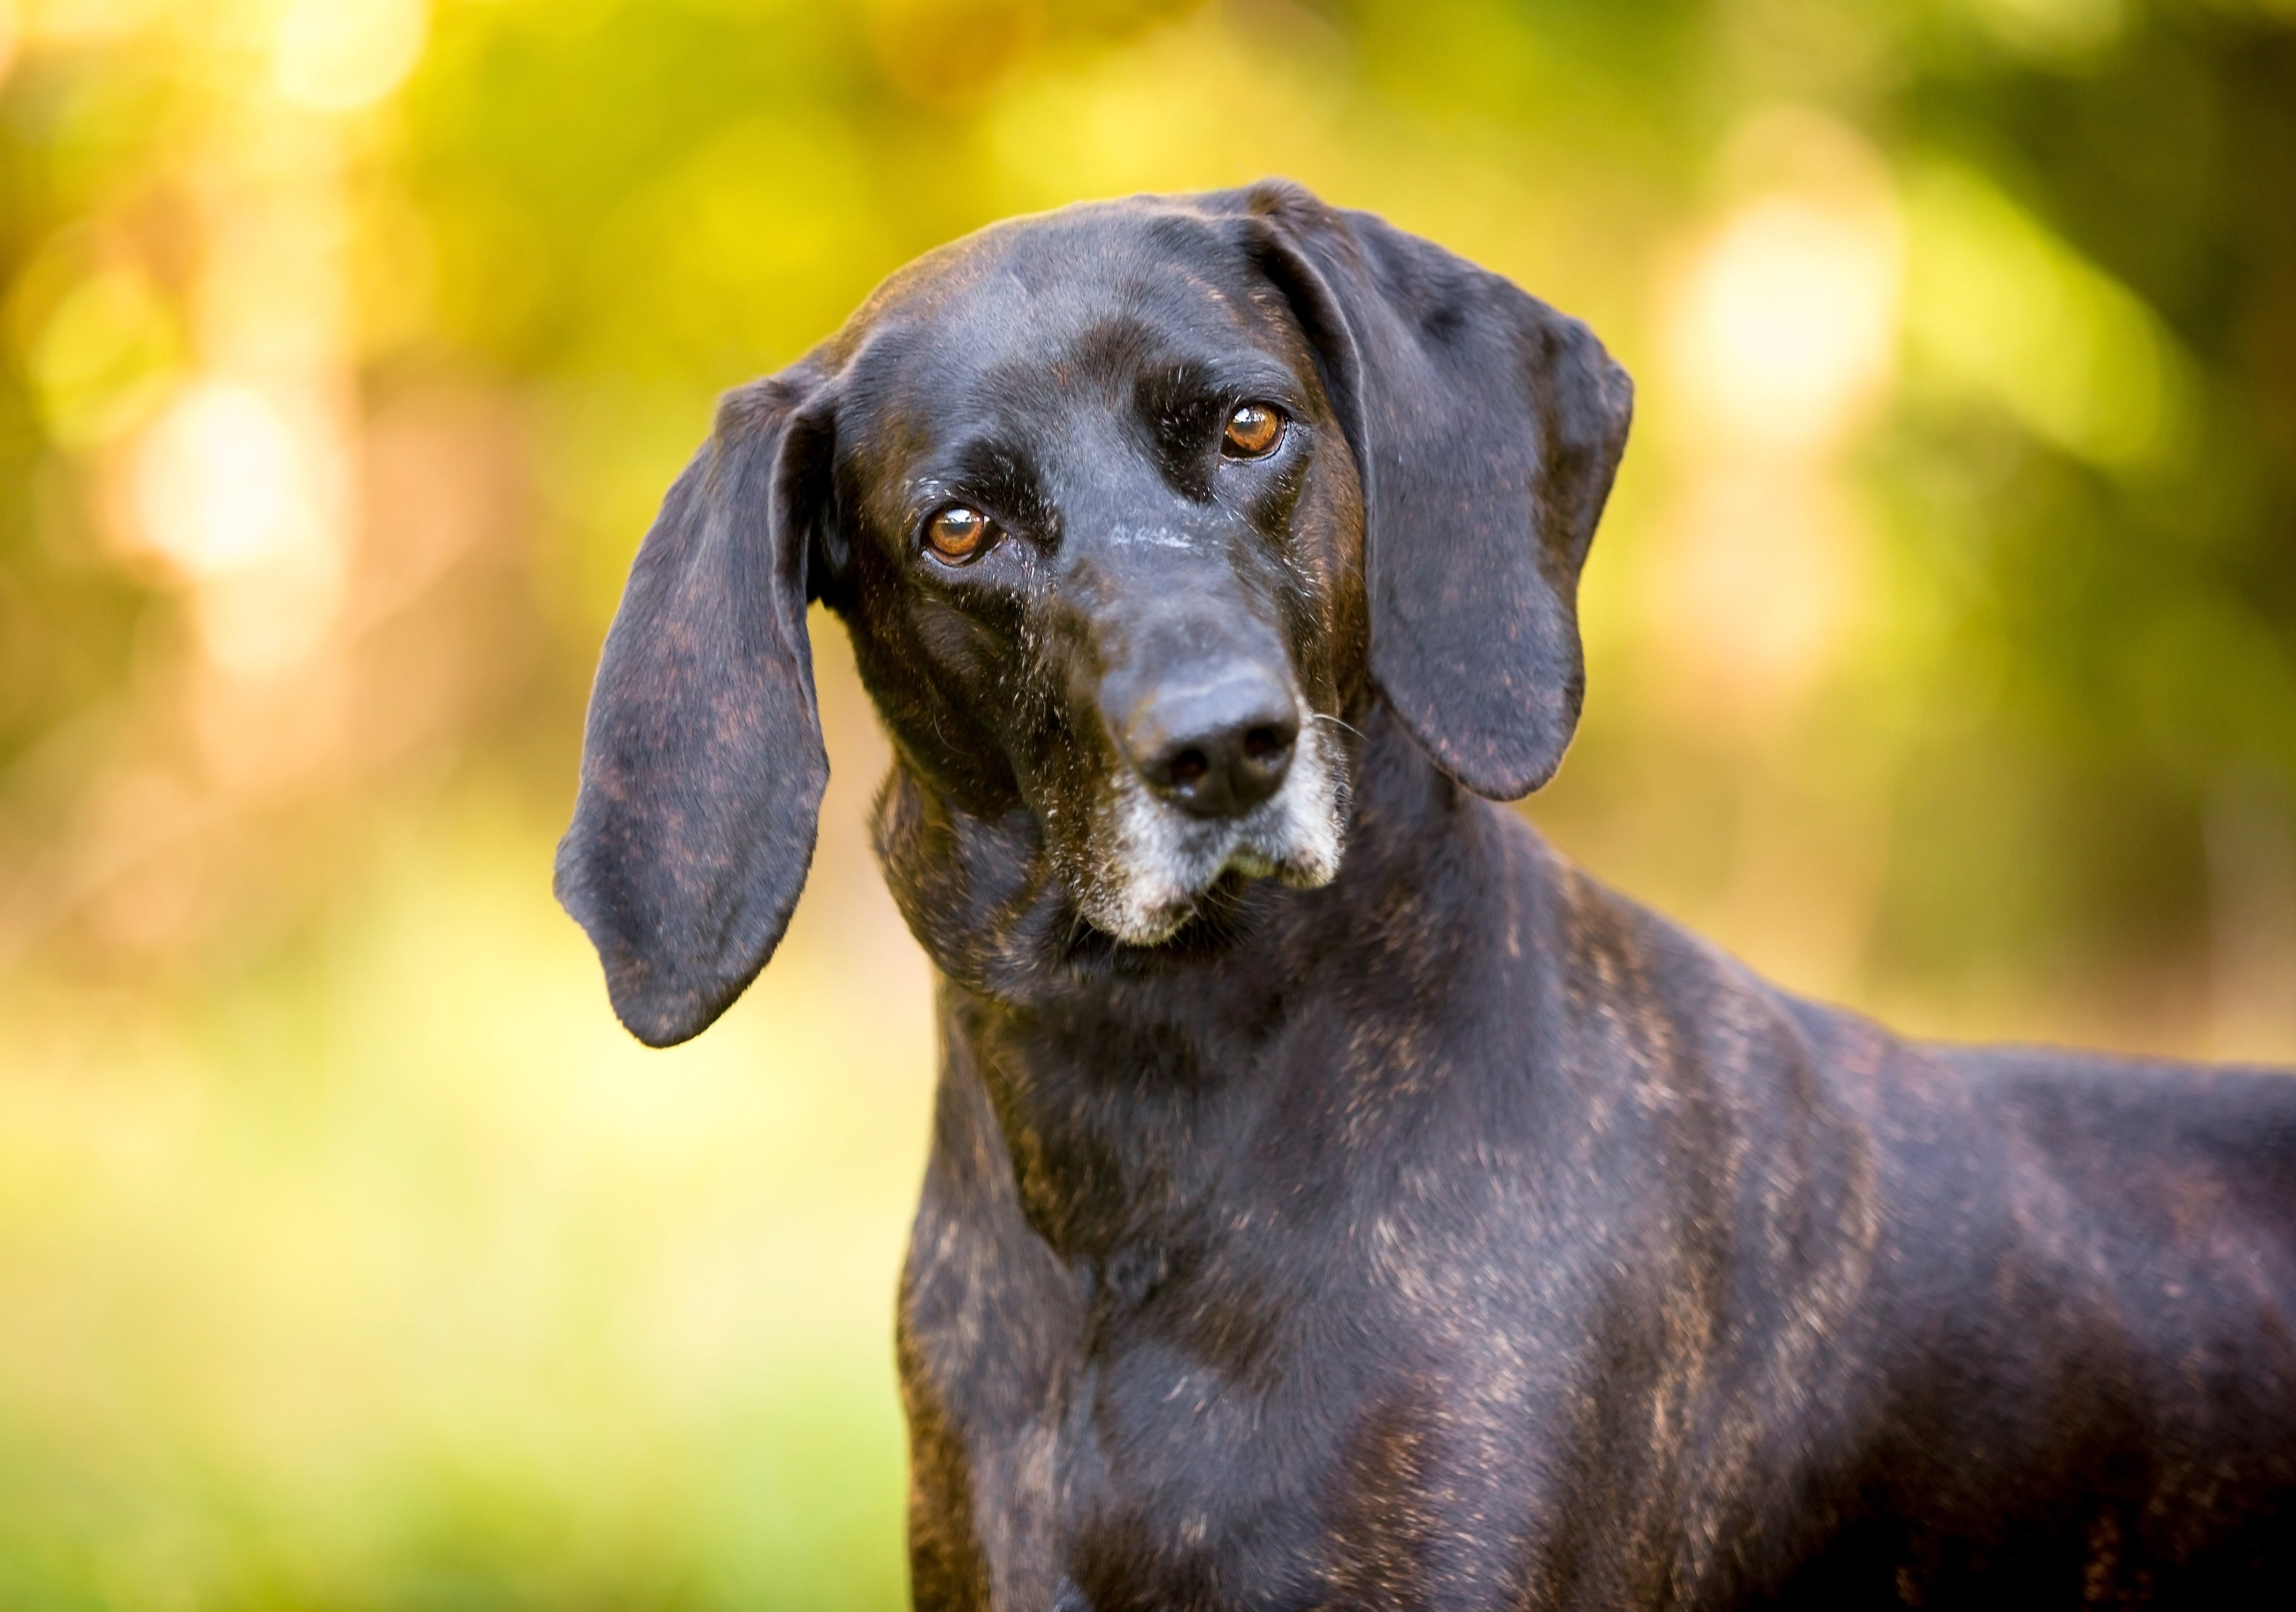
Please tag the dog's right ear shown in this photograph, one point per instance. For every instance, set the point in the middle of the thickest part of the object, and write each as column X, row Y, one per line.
column 1486, row 428
column 702, row 765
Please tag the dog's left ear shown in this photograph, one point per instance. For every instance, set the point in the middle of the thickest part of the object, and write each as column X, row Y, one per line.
column 702, row 765
column 1486, row 429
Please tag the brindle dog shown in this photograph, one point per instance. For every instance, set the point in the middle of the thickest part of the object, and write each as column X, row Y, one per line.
column 1336, row 1201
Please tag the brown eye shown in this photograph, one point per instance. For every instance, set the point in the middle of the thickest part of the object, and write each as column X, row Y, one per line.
column 1253, row 430
column 958, row 532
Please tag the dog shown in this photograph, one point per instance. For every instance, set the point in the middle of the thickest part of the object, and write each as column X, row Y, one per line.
column 1335, row 1199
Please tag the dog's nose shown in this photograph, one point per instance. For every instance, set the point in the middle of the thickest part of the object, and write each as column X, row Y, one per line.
column 1215, row 749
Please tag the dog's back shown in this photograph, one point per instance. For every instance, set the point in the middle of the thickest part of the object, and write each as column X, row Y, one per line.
column 2074, row 1361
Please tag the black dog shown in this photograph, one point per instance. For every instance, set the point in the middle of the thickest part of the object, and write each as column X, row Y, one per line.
column 1424, row 1226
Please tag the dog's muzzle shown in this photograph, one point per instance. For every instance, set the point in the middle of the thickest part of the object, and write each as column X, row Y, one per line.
column 1220, row 769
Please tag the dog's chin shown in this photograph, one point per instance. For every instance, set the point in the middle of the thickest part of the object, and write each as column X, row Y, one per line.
column 1149, row 911
column 1154, row 866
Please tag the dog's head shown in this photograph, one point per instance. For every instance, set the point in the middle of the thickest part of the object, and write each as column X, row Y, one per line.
column 1126, row 506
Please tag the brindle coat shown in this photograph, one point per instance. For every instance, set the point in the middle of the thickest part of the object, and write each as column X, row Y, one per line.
column 1452, row 1233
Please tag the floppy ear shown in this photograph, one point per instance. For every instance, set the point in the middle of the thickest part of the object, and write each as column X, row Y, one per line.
column 703, row 765
column 1487, row 427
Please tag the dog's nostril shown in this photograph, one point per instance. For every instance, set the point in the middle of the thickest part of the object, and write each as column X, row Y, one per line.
column 1189, row 767
column 1264, row 744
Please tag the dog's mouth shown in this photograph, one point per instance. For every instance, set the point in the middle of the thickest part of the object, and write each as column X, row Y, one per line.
column 1149, row 868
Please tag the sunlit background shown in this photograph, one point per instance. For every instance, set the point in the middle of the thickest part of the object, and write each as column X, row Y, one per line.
column 1942, row 637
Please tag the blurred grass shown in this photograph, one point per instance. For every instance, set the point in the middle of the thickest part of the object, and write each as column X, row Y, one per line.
column 393, row 1274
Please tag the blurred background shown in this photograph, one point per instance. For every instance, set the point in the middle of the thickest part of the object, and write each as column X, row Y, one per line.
column 1942, row 641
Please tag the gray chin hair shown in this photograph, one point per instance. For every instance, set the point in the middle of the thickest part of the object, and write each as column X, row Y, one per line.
column 1149, row 863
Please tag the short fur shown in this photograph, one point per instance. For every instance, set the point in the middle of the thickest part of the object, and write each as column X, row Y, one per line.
column 1392, row 1217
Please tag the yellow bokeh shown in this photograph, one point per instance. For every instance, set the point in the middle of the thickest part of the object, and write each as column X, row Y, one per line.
column 339, row 55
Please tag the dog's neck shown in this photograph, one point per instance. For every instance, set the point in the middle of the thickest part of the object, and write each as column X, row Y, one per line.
column 1104, row 1062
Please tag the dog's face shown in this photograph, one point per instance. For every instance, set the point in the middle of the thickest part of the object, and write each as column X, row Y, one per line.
column 1098, row 539
column 1126, row 506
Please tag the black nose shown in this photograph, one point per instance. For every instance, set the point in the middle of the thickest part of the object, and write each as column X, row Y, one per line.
column 1215, row 749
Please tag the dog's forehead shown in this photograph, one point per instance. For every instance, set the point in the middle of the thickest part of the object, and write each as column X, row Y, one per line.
column 1082, row 297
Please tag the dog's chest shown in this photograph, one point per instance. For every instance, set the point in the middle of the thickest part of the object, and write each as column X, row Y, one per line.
column 1273, row 1404
column 1215, row 1305
column 1147, row 1436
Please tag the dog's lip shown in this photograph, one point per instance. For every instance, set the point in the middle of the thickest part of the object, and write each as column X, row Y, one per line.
column 1244, row 864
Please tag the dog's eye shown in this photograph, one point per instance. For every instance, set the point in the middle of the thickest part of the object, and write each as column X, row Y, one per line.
column 958, row 532
column 1253, row 430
